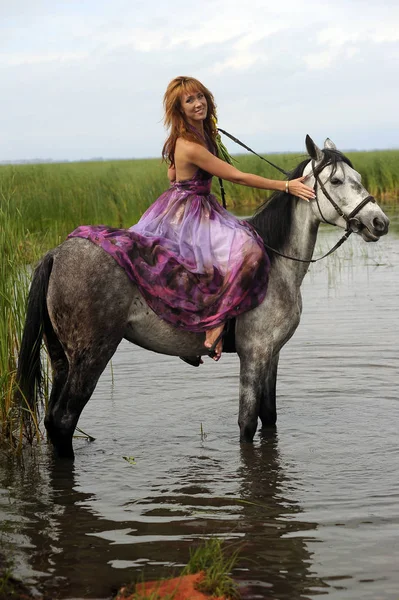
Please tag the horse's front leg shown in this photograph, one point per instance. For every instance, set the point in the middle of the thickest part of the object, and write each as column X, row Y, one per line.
column 258, row 371
column 267, row 408
column 260, row 335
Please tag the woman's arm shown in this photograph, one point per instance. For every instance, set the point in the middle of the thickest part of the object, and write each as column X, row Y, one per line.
column 196, row 154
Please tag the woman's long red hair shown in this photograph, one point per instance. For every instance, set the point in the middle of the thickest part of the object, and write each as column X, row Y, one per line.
column 175, row 119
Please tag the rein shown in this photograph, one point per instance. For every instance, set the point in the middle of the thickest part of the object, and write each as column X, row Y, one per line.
column 313, row 260
column 352, row 224
column 237, row 141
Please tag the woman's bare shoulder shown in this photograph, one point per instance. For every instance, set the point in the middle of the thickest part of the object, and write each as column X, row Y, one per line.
column 188, row 148
column 183, row 143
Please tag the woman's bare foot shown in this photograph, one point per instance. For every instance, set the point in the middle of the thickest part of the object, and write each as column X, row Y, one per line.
column 211, row 337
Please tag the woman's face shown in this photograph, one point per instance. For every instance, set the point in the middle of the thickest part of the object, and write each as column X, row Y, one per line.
column 194, row 106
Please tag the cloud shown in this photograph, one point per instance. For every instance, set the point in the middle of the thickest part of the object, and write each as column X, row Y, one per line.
column 84, row 80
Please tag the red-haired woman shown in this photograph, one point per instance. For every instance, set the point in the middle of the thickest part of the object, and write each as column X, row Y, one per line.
column 195, row 263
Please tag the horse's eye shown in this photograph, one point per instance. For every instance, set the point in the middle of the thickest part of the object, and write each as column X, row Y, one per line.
column 335, row 181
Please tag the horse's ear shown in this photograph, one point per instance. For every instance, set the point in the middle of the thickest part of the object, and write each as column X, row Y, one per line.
column 313, row 150
column 329, row 144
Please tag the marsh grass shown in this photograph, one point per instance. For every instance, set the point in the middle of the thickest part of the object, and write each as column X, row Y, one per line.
column 53, row 199
column 9, row 587
column 213, row 559
column 13, row 289
column 216, row 561
column 379, row 170
column 380, row 173
column 6, row 588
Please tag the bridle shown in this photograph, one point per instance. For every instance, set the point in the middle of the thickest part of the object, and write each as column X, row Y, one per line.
column 352, row 223
column 348, row 218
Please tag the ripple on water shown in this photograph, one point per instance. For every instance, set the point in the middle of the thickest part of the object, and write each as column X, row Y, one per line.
column 314, row 508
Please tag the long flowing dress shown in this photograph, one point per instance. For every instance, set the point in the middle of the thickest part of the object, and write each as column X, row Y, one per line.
column 196, row 264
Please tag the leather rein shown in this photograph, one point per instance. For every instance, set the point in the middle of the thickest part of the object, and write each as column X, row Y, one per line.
column 352, row 223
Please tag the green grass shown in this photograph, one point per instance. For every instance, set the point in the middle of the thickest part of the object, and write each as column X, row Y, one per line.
column 379, row 170
column 6, row 587
column 214, row 560
column 13, row 289
column 10, row 588
column 53, row 199
column 217, row 564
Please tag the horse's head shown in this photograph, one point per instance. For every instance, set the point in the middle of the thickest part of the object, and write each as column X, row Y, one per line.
column 341, row 198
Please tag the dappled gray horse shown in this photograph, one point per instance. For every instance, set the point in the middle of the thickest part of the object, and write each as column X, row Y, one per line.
column 84, row 304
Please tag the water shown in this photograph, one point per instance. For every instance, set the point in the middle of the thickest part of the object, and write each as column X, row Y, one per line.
column 313, row 508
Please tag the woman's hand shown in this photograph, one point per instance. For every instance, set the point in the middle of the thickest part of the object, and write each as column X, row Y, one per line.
column 299, row 189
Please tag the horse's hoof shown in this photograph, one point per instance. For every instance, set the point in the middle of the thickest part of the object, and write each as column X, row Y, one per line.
column 246, row 440
column 64, row 452
column 247, row 434
column 62, row 448
column 268, row 433
column 269, row 423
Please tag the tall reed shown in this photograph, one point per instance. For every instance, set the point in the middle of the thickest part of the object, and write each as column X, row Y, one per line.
column 53, row 199
column 379, row 171
column 13, row 289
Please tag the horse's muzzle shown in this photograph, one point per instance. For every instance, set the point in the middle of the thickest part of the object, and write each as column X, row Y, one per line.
column 372, row 231
column 381, row 225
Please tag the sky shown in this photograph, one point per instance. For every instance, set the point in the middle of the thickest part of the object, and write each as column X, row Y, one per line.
column 84, row 79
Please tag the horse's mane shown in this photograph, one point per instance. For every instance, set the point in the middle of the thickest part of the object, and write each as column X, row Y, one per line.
column 272, row 219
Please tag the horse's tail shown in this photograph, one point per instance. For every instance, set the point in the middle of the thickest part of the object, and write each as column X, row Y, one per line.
column 29, row 373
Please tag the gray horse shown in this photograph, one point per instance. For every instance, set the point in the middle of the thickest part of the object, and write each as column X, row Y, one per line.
column 84, row 304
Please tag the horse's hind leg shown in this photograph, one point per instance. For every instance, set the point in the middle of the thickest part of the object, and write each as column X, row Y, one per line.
column 88, row 302
column 59, row 366
column 65, row 408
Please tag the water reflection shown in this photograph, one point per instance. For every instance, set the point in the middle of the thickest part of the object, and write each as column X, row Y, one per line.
column 275, row 540
column 68, row 550
column 47, row 530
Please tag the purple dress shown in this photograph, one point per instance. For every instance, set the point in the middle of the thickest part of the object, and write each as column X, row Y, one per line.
column 195, row 264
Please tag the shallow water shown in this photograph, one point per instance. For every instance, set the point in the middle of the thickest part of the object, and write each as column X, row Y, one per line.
column 314, row 508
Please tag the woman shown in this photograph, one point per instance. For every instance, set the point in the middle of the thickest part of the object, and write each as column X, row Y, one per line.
column 195, row 264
